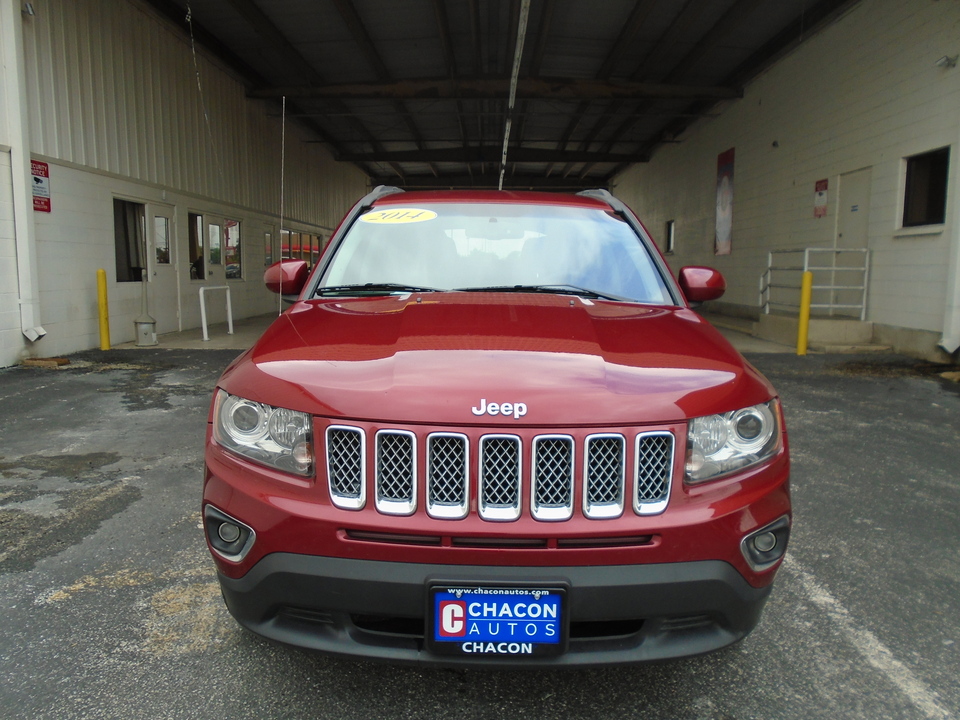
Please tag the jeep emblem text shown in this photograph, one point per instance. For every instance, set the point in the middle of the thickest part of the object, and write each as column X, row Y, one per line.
column 517, row 409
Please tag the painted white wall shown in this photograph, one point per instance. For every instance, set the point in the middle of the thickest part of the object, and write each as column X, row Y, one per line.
column 116, row 111
column 864, row 92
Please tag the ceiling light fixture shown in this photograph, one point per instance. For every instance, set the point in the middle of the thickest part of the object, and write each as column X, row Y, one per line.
column 947, row 61
column 521, row 35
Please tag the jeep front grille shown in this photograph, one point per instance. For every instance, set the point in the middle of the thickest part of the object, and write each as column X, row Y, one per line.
column 447, row 462
column 552, row 477
column 654, row 460
column 603, row 474
column 396, row 472
column 500, row 467
column 346, row 466
column 500, row 477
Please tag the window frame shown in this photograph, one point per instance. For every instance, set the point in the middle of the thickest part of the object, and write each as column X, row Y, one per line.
column 196, row 249
column 229, row 225
column 126, row 270
column 670, row 237
column 913, row 195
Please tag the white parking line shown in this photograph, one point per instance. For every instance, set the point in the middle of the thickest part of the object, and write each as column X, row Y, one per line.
column 868, row 645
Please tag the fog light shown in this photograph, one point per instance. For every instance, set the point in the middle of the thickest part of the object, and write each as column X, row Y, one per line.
column 228, row 537
column 228, row 532
column 764, row 542
column 765, row 547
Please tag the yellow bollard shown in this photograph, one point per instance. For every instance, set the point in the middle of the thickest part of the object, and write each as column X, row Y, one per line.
column 803, row 329
column 104, row 311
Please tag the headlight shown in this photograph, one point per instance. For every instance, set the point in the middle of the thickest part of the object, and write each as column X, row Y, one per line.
column 721, row 444
column 269, row 435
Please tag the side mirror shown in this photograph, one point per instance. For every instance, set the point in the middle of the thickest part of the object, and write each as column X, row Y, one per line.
column 700, row 284
column 287, row 277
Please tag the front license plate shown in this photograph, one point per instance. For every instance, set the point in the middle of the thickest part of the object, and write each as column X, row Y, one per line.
column 496, row 621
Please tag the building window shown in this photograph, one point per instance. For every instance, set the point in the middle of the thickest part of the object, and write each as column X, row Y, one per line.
column 669, row 237
column 231, row 253
column 161, row 239
column 267, row 249
column 301, row 246
column 196, row 246
column 213, row 237
column 925, row 191
column 129, row 234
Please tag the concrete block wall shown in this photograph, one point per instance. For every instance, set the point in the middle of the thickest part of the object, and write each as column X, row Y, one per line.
column 77, row 238
column 865, row 92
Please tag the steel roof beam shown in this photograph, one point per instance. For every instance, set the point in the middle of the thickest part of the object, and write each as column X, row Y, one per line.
column 490, row 181
column 265, row 28
column 360, row 36
column 530, row 88
column 488, row 153
column 175, row 14
column 635, row 21
column 449, row 59
column 809, row 21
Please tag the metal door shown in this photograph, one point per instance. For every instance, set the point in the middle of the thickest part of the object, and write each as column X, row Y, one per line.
column 853, row 230
column 162, row 265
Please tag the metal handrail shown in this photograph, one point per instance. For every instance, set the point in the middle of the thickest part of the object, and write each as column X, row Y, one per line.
column 203, row 309
column 780, row 262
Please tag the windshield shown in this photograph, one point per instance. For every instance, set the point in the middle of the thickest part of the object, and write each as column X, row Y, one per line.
column 484, row 246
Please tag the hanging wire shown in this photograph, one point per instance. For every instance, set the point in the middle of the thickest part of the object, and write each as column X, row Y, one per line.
column 283, row 159
column 203, row 102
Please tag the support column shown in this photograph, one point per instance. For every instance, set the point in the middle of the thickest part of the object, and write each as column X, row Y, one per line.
column 11, row 27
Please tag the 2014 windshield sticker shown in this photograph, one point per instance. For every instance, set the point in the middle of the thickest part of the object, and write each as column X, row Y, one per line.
column 398, row 216
column 497, row 621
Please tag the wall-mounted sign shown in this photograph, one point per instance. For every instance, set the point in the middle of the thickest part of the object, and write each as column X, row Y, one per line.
column 820, row 199
column 723, row 240
column 40, row 176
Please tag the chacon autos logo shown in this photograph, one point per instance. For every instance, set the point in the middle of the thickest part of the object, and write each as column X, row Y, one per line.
column 498, row 621
column 516, row 409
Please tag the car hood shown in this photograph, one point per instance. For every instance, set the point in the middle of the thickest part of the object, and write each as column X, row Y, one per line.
column 442, row 358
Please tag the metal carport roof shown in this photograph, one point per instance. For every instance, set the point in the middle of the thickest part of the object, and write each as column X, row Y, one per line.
column 416, row 92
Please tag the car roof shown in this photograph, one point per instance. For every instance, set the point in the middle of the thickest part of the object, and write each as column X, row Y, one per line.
column 491, row 196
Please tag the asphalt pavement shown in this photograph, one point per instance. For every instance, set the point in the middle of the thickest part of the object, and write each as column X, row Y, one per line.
column 111, row 607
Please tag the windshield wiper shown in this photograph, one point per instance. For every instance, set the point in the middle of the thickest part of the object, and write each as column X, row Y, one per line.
column 552, row 289
column 371, row 289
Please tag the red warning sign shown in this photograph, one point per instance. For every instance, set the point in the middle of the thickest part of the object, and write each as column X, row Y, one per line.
column 40, row 172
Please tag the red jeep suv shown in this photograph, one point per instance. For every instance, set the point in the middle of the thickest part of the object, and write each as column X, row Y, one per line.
column 490, row 430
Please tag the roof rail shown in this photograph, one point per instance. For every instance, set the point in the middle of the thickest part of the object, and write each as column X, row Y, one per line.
column 378, row 192
column 604, row 196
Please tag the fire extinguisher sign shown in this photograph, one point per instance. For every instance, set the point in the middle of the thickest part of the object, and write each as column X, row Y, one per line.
column 40, row 172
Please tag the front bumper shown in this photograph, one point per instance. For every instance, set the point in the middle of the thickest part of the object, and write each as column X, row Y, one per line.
column 375, row 609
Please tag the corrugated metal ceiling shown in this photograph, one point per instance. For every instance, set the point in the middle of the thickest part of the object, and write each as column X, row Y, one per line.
column 415, row 92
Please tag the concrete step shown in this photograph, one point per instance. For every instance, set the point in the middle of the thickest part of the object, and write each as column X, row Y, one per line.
column 825, row 331
column 731, row 322
column 844, row 349
column 844, row 336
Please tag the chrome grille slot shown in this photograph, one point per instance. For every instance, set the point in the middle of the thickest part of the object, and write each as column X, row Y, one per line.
column 447, row 462
column 654, row 466
column 500, row 459
column 396, row 472
column 604, row 476
column 346, row 466
column 552, row 496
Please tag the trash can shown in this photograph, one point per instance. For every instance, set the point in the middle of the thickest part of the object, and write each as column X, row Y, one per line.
column 146, row 331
